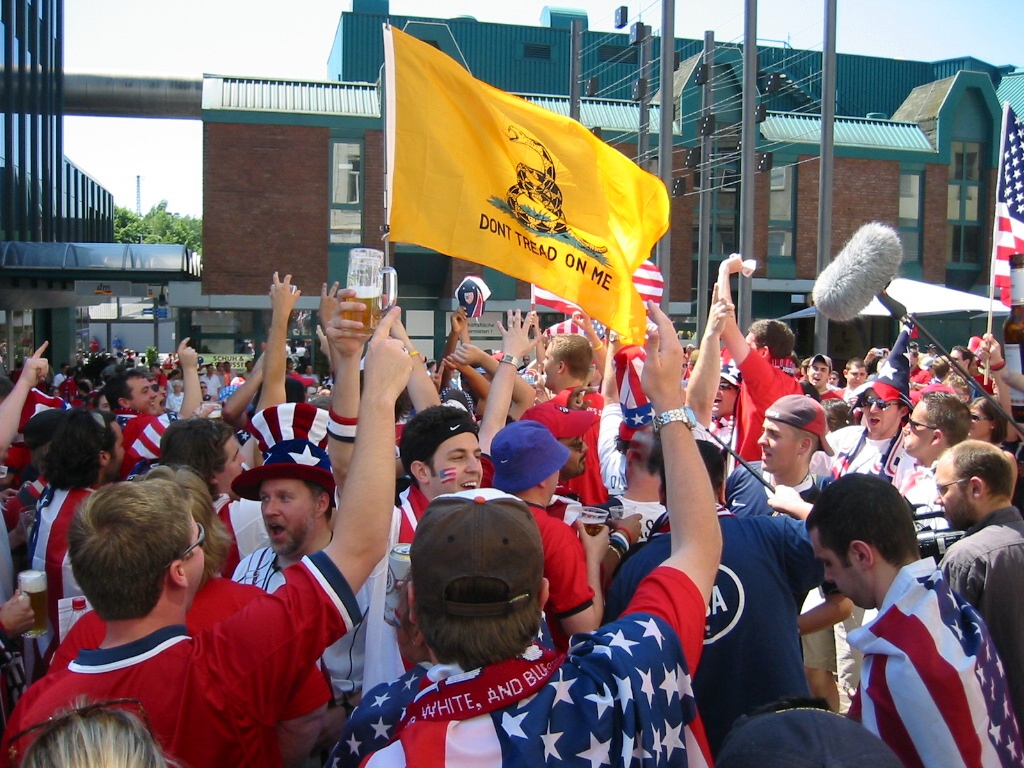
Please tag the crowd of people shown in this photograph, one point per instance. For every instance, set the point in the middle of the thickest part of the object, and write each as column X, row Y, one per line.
column 568, row 548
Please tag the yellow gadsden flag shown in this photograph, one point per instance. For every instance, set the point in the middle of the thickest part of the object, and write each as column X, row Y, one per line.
column 477, row 173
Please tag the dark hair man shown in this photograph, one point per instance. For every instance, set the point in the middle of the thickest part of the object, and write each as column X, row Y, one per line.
column 932, row 685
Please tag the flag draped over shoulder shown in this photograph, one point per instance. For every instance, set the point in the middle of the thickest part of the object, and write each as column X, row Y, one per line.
column 1008, row 237
column 476, row 173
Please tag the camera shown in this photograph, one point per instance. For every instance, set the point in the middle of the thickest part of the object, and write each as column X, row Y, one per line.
column 934, row 544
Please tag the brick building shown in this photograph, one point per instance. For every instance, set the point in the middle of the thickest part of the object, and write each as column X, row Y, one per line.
column 293, row 171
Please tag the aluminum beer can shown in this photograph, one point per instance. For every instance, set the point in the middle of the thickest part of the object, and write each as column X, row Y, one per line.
column 398, row 573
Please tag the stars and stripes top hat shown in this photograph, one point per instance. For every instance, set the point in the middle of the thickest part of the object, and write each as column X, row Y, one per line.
column 290, row 421
column 637, row 411
column 892, row 380
column 293, row 440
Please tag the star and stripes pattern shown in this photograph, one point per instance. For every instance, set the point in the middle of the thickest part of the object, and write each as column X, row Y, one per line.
column 1008, row 237
column 622, row 697
column 291, row 421
column 932, row 685
column 637, row 410
column 38, row 401
column 647, row 280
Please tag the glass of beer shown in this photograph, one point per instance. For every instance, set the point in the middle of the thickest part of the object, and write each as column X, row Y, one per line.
column 594, row 518
column 372, row 282
column 33, row 584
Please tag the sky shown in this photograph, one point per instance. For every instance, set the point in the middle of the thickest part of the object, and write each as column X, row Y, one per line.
column 190, row 38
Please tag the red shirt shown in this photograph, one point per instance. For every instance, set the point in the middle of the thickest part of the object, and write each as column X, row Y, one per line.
column 215, row 601
column 589, row 486
column 762, row 385
column 213, row 700
column 565, row 568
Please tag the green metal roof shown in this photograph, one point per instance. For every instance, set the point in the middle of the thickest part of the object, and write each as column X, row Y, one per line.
column 607, row 114
column 1011, row 89
column 849, row 132
column 290, row 96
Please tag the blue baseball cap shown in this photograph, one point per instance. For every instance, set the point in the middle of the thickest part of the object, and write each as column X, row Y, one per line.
column 525, row 453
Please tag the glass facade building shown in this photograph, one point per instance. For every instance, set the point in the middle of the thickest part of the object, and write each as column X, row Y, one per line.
column 43, row 197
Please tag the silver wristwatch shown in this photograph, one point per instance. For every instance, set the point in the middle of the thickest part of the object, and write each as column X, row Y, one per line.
column 516, row 362
column 684, row 414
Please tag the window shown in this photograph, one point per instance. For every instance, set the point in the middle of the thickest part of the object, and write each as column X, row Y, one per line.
column 537, row 51
column 910, row 214
column 618, row 54
column 964, row 204
column 780, row 212
column 346, row 193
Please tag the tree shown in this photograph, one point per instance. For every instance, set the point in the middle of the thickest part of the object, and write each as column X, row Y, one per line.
column 158, row 226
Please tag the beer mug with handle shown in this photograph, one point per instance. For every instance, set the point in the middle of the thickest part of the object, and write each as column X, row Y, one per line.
column 372, row 282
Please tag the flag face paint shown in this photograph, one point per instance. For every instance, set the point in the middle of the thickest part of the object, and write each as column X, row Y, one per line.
column 476, row 173
column 448, row 474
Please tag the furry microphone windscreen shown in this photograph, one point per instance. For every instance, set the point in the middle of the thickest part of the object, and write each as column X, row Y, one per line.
column 861, row 271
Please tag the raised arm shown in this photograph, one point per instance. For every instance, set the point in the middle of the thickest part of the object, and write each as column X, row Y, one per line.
column 703, row 386
column 732, row 337
column 233, row 410
column 345, row 339
column 283, row 297
column 696, row 534
column 32, row 370
column 364, row 511
column 188, row 359
column 422, row 391
column 517, row 343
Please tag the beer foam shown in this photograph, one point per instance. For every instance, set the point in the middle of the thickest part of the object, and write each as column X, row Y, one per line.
column 366, row 291
column 32, row 581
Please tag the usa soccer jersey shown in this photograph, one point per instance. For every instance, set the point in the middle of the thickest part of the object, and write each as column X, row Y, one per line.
column 212, row 700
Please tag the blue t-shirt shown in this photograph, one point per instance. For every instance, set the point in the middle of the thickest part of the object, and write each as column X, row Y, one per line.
column 752, row 654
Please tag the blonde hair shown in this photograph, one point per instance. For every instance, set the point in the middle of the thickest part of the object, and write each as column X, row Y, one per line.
column 200, row 504
column 87, row 736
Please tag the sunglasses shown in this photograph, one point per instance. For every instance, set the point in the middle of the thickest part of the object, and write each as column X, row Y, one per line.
column 882, row 405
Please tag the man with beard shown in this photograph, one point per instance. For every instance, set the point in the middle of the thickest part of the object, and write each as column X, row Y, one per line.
column 974, row 482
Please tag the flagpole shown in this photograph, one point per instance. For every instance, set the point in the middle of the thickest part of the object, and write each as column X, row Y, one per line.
column 995, row 228
column 665, row 158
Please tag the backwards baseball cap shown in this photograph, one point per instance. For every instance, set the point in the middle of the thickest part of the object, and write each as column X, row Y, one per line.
column 563, row 422
column 524, row 454
column 476, row 553
column 803, row 413
column 820, row 358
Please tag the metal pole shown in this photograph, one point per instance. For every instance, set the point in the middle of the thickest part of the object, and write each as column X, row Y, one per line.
column 707, row 183
column 828, row 113
column 643, row 141
column 665, row 146
column 748, row 139
column 575, row 67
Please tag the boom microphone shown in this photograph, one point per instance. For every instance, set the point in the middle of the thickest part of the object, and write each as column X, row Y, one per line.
column 861, row 271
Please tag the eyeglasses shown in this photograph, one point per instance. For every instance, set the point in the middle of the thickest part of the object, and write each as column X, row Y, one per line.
column 882, row 405
column 724, row 386
column 943, row 487
column 918, row 425
column 98, row 708
column 200, row 540
column 576, row 444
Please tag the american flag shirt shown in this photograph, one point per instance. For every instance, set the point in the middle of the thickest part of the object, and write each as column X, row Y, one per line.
column 932, row 685
column 621, row 696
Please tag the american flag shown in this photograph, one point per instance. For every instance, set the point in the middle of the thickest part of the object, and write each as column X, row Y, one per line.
column 1008, row 235
column 647, row 279
column 932, row 686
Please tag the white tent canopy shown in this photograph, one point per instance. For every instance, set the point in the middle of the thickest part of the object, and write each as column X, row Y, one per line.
column 922, row 299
